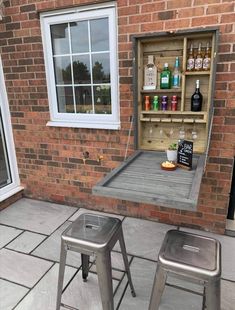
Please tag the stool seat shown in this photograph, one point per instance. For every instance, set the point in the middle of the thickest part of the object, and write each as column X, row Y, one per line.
column 92, row 234
column 195, row 254
column 196, row 258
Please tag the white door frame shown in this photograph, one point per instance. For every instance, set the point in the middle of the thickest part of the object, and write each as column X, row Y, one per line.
column 14, row 186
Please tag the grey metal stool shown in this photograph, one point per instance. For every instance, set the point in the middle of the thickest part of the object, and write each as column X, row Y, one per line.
column 193, row 257
column 94, row 235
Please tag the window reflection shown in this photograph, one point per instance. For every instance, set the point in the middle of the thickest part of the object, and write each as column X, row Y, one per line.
column 65, row 99
column 79, row 37
column 83, row 99
column 60, row 39
column 102, row 98
column 63, row 70
column 101, row 68
column 81, row 69
column 99, row 34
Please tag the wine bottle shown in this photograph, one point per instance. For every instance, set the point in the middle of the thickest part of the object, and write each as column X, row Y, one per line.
column 196, row 99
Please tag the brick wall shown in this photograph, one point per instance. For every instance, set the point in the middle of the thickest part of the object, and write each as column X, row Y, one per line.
column 51, row 159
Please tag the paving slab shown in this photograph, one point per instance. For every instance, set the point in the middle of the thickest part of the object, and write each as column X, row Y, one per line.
column 36, row 216
column 26, row 242
column 21, row 268
column 227, row 295
column 84, row 295
column 143, row 238
column 7, row 234
column 10, row 294
column 43, row 295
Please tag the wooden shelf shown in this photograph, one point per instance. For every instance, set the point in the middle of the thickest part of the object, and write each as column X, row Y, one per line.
column 174, row 112
column 160, row 91
column 197, row 73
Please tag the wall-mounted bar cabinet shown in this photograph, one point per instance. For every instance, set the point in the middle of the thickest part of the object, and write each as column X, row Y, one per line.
column 159, row 123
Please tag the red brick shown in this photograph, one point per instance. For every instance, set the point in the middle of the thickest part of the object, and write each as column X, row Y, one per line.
column 206, row 20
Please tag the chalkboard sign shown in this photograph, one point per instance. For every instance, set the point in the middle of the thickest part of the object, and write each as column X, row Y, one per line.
column 185, row 154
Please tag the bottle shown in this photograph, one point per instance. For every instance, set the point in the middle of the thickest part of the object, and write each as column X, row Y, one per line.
column 155, row 103
column 198, row 60
column 207, row 59
column 176, row 74
column 150, row 74
column 196, row 99
column 190, row 60
column 174, row 101
column 164, row 103
column 165, row 77
column 147, row 103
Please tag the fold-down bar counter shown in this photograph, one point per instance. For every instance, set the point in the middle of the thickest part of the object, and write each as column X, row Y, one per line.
column 141, row 178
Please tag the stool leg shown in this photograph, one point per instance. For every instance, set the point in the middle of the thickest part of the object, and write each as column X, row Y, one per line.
column 63, row 254
column 158, row 288
column 125, row 260
column 104, row 272
column 213, row 295
column 85, row 266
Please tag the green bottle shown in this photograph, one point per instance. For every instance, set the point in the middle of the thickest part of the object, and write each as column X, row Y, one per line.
column 155, row 103
column 165, row 78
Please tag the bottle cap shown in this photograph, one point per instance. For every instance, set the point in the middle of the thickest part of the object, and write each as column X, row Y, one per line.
column 155, row 97
column 166, row 64
column 174, row 97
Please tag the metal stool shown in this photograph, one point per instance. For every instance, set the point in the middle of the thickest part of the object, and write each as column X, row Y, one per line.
column 94, row 235
column 194, row 257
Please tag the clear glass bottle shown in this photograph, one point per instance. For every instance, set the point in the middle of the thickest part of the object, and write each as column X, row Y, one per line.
column 190, row 60
column 165, row 77
column 199, row 59
column 196, row 99
column 150, row 74
column 176, row 74
column 207, row 59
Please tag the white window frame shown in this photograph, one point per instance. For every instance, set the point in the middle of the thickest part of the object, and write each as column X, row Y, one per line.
column 13, row 187
column 81, row 120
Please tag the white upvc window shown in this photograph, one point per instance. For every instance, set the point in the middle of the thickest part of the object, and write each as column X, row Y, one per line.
column 80, row 50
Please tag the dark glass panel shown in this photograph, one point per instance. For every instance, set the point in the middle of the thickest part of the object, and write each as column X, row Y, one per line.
column 83, row 99
column 60, row 39
column 99, row 34
column 102, row 98
column 101, row 68
column 65, row 99
column 79, row 37
column 81, row 69
column 62, row 70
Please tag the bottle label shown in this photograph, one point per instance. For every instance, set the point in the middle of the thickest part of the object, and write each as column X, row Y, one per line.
column 165, row 79
column 198, row 63
column 206, row 63
column 190, row 64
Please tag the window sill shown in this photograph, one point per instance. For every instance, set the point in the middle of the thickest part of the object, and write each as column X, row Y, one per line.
column 114, row 126
column 11, row 192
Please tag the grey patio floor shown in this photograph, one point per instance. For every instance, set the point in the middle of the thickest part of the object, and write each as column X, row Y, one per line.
column 29, row 254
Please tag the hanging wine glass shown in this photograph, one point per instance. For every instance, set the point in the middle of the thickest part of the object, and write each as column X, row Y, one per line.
column 181, row 133
column 171, row 132
column 194, row 132
column 161, row 132
column 150, row 132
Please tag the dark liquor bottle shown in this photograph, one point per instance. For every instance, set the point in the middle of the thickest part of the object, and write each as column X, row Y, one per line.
column 196, row 99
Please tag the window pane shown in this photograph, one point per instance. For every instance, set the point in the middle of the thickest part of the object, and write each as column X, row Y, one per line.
column 99, row 34
column 101, row 68
column 5, row 177
column 102, row 98
column 63, row 70
column 65, row 99
column 81, row 69
column 83, row 99
column 60, row 39
column 79, row 37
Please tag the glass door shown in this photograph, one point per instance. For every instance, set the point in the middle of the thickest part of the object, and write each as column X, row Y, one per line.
column 5, row 175
column 9, row 177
